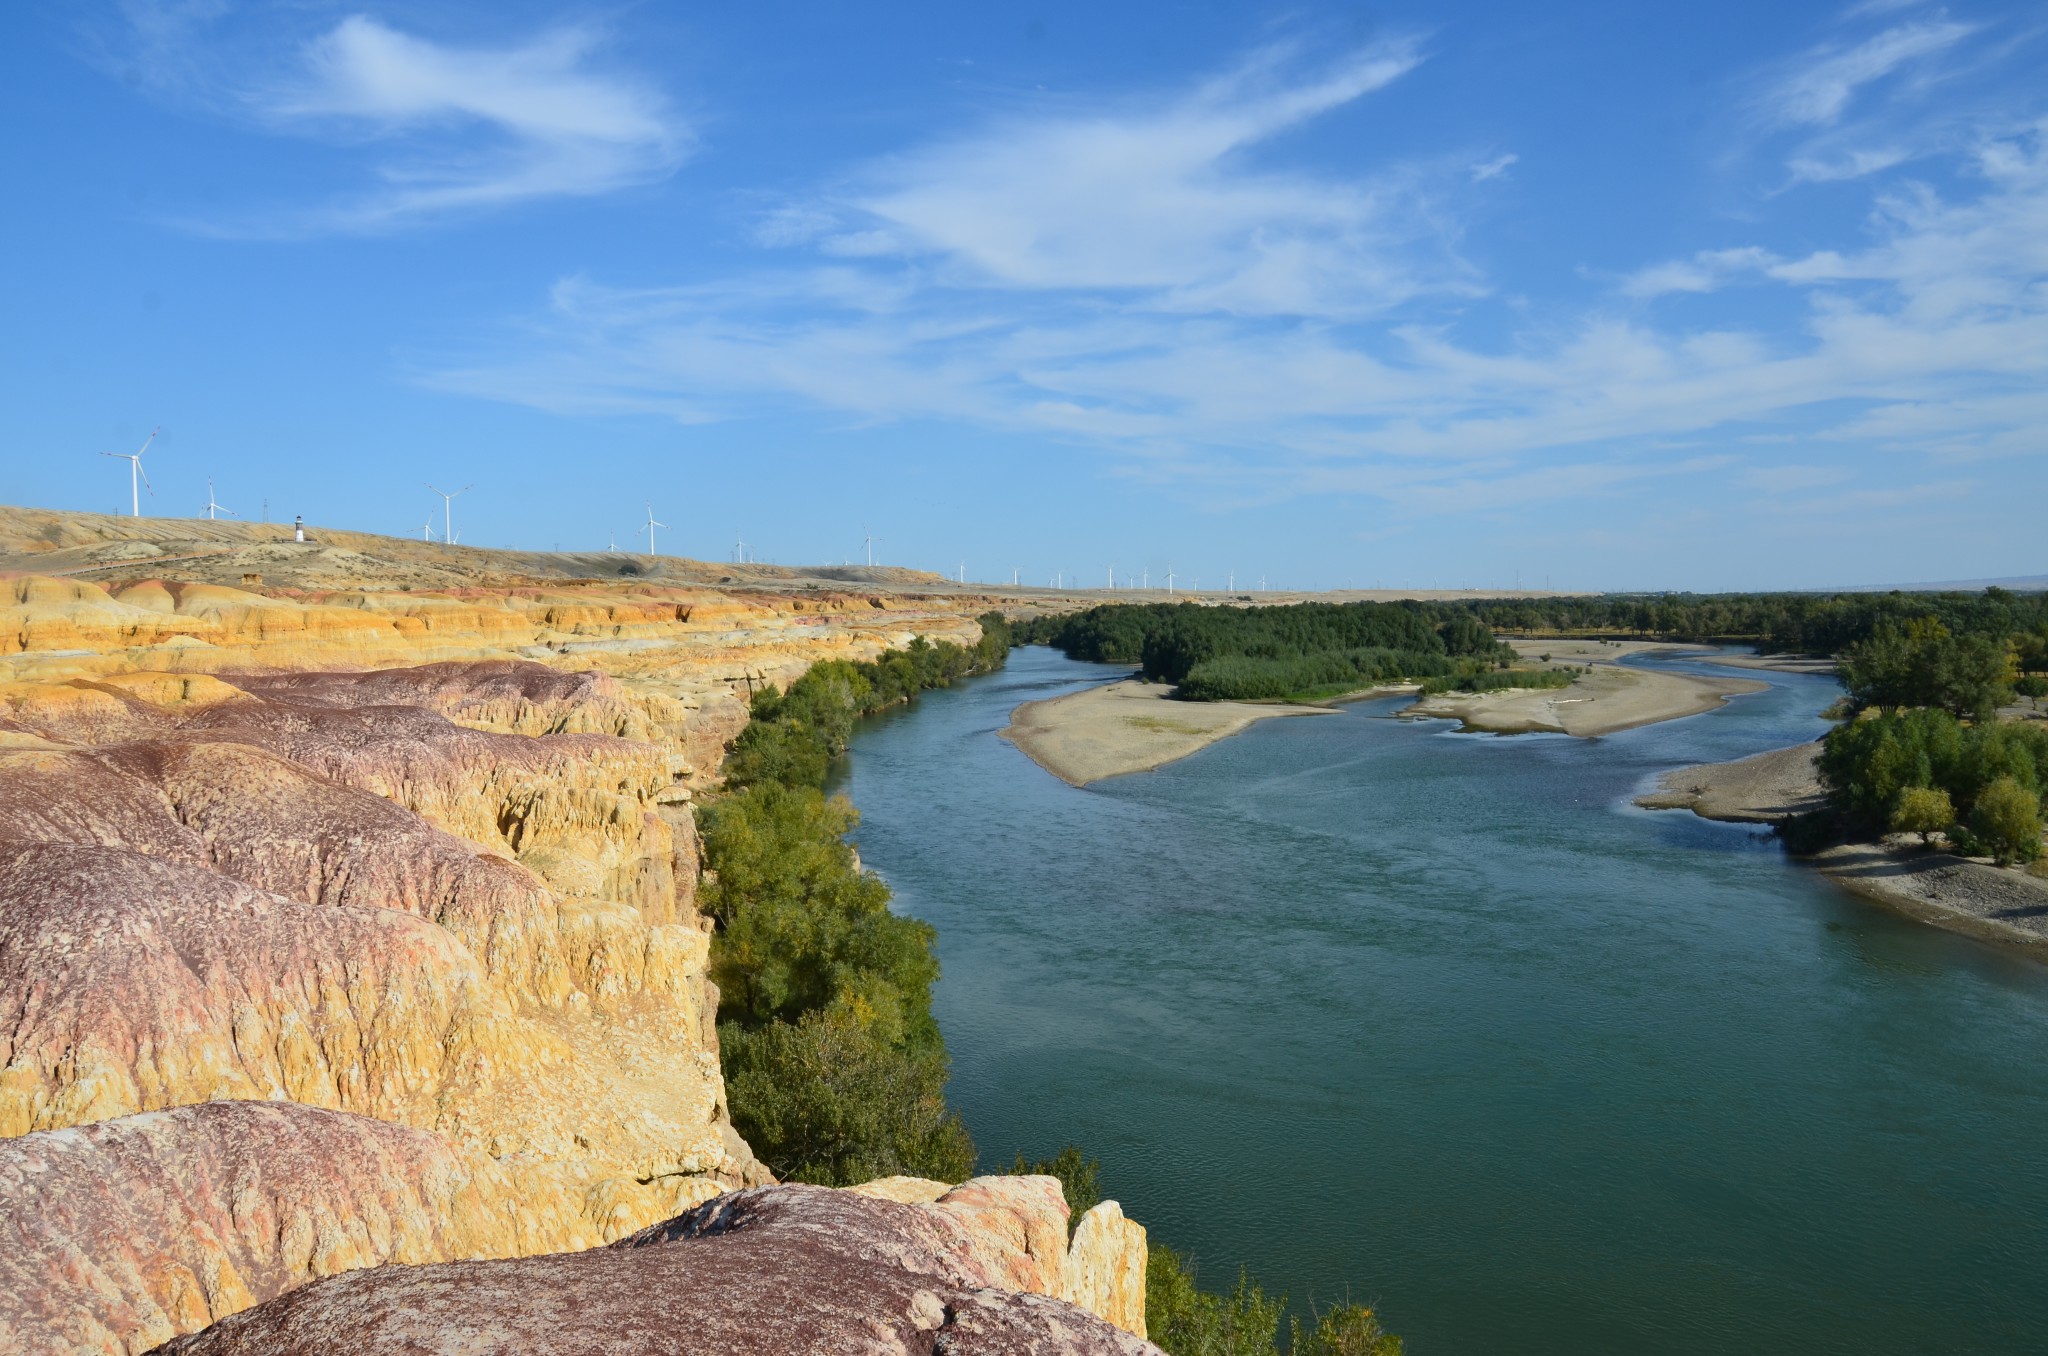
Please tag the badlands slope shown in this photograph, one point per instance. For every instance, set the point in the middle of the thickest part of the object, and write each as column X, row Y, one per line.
column 347, row 917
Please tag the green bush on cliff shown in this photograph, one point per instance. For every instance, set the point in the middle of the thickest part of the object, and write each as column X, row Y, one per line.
column 828, row 1099
column 835, row 1070
column 793, row 736
column 1185, row 1320
column 1346, row 1330
column 800, row 925
column 1080, row 1178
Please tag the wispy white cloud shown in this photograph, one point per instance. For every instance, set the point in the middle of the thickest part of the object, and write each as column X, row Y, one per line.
column 1824, row 83
column 1494, row 168
column 434, row 128
column 1705, row 271
column 969, row 300
column 1162, row 200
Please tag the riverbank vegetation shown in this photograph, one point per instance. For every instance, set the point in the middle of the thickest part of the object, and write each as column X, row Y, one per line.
column 1185, row 1320
column 1922, row 749
column 1299, row 651
column 835, row 1069
column 1820, row 624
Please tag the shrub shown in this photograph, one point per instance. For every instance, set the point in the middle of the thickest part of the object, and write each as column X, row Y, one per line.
column 829, row 1099
column 800, row 926
column 835, row 1070
column 1869, row 763
column 1080, row 1178
column 1346, row 1330
column 2007, row 820
column 1185, row 1321
column 1924, row 810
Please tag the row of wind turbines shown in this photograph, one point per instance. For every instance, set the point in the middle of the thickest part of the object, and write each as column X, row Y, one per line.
column 138, row 481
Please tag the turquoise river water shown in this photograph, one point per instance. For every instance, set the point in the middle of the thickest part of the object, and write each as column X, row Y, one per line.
column 1442, row 1022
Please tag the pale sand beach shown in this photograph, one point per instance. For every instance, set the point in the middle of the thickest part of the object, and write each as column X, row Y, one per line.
column 1601, row 701
column 1128, row 726
column 1974, row 898
column 1762, row 789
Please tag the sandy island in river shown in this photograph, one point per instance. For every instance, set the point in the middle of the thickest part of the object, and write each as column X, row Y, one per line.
column 1604, row 699
column 1128, row 726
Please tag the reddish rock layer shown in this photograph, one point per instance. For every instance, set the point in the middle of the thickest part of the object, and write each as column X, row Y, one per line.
column 208, row 892
column 118, row 1236
column 778, row 1269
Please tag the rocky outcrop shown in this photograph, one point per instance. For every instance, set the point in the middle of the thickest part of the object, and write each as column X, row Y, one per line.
column 792, row 1268
column 1105, row 1267
column 239, row 896
column 118, row 1236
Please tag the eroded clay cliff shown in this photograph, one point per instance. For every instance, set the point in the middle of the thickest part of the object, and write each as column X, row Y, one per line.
column 356, row 925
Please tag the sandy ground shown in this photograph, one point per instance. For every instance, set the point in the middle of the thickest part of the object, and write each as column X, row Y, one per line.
column 1762, row 789
column 1971, row 897
column 1600, row 702
column 1594, row 651
column 1128, row 726
column 1555, row 652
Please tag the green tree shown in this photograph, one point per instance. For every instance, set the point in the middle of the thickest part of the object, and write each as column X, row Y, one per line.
column 1920, row 662
column 1924, row 810
column 2007, row 820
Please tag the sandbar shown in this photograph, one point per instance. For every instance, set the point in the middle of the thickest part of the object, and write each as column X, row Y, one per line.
column 1128, row 726
column 1601, row 701
column 1765, row 788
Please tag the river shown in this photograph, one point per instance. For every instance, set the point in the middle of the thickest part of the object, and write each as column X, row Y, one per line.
column 1441, row 1022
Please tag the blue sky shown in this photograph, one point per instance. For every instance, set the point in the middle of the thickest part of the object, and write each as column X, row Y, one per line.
column 1611, row 295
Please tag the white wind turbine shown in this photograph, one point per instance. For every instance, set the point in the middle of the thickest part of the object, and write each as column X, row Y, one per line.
column 427, row 530
column 1112, row 577
column 649, row 528
column 448, row 510
column 212, row 507
column 137, row 477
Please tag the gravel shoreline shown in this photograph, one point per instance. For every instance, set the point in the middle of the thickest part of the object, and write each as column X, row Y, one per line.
column 1975, row 898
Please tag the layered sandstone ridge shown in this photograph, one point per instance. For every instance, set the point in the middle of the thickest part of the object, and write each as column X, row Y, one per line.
column 226, row 894
column 787, row 1268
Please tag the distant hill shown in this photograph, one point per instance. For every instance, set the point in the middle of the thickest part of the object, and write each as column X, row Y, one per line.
column 2023, row 583
column 107, row 548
